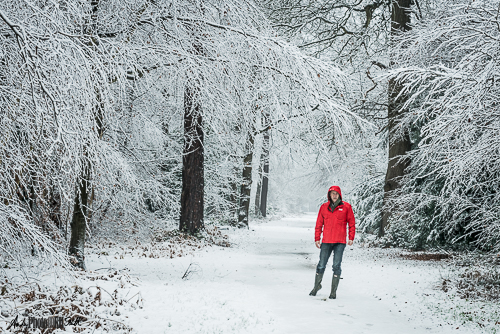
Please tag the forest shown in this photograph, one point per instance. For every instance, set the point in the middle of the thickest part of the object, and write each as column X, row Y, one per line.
column 132, row 120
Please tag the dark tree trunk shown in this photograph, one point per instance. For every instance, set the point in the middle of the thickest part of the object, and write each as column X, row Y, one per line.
column 259, row 186
column 233, row 185
column 246, row 184
column 192, row 205
column 79, row 221
column 84, row 195
column 398, row 145
column 54, row 202
column 233, row 197
column 265, row 174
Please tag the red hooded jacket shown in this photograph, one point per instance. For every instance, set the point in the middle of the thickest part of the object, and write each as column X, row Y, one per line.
column 333, row 225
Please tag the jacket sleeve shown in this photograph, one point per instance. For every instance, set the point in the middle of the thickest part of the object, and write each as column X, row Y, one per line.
column 351, row 222
column 319, row 225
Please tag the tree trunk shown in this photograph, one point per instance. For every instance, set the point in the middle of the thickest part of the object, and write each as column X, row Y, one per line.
column 265, row 174
column 246, row 184
column 398, row 145
column 192, row 205
column 54, row 205
column 233, row 197
column 80, row 216
column 79, row 222
column 84, row 195
column 259, row 185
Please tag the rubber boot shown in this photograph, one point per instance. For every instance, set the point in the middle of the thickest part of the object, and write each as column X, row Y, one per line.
column 317, row 284
column 335, row 285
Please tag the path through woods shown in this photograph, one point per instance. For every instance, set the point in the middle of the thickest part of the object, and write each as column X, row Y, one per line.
column 261, row 285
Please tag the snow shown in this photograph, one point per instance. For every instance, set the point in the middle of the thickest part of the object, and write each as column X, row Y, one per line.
column 261, row 285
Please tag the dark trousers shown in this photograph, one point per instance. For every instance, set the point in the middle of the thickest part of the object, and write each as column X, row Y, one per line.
column 324, row 255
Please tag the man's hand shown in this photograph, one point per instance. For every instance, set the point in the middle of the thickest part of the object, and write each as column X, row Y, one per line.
column 350, row 242
column 318, row 244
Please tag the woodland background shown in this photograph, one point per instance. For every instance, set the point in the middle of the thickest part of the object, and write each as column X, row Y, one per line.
column 122, row 118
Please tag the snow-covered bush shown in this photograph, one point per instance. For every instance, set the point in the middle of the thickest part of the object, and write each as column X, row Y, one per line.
column 368, row 207
column 83, row 309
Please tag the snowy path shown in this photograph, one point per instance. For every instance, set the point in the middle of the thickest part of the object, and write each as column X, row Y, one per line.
column 261, row 286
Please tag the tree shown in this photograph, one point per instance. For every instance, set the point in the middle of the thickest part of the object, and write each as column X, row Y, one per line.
column 358, row 35
column 448, row 67
column 100, row 99
column 73, row 81
column 83, row 189
column 399, row 141
column 42, row 78
column 246, row 184
column 265, row 168
column 193, row 178
column 238, row 56
column 346, row 28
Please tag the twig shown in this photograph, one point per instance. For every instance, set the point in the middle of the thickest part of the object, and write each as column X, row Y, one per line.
column 187, row 272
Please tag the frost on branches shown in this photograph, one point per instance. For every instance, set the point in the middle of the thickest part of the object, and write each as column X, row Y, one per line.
column 92, row 96
column 449, row 65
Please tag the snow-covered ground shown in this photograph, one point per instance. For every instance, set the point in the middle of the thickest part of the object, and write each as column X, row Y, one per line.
column 261, row 285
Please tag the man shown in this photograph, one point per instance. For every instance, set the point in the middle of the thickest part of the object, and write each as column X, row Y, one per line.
column 333, row 217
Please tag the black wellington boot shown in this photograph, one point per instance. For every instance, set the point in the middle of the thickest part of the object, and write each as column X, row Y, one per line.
column 317, row 284
column 335, row 285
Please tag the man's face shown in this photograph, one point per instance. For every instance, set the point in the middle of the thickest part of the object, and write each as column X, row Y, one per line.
column 334, row 195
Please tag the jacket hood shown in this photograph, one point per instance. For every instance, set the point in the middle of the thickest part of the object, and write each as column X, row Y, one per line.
column 337, row 189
